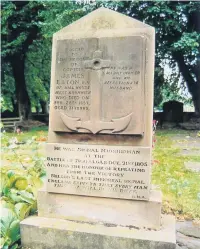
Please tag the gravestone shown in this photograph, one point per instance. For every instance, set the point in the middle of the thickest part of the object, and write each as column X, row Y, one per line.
column 173, row 111
column 98, row 192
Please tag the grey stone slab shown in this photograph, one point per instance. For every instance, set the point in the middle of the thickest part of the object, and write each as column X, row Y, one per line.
column 99, row 170
column 193, row 166
column 190, row 152
column 181, row 247
column 102, row 210
column 188, row 242
column 187, row 145
column 50, row 233
column 188, row 228
column 102, row 71
column 102, row 75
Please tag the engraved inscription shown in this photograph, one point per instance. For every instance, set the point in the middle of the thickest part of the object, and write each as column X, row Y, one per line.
column 100, row 82
column 107, row 171
column 125, row 79
column 95, row 124
column 72, row 87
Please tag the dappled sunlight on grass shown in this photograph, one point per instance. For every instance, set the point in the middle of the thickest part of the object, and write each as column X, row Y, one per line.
column 180, row 187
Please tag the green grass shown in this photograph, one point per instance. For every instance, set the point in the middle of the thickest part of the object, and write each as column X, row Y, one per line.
column 180, row 187
column 23, row 154
column 174, row 131
column 36, row 131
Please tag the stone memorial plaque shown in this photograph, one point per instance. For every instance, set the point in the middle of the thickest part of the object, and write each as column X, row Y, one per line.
column 101, row 104
column 98, row 170
column 98, row 84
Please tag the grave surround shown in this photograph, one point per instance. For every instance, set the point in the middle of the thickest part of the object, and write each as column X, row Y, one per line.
column 100, row 139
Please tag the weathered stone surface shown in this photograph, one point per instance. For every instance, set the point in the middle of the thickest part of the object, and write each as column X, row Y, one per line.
column 99, row 170
column 102, row 210
column 188, row 228
column 98, row 87
column 188, row 242
column 102, row 88
column 50, row 233
column 189, row 152
column 193, row 166
column 181, row 247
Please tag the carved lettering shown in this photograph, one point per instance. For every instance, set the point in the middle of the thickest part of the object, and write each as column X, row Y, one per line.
column 109, row 171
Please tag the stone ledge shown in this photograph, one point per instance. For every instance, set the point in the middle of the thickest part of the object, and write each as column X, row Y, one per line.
column 102, row 210
column 51, row 233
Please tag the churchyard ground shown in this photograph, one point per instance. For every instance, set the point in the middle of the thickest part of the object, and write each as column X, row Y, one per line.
column 173, row 149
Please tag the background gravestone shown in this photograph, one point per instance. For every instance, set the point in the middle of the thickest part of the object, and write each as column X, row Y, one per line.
column 100, row 141
column 173, row 111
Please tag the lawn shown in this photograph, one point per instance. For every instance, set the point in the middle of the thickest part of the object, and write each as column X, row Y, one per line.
column 180, row 187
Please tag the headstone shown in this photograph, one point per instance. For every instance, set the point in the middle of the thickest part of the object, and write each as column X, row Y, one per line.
column 193, row 166
column 101, row 85
column 173, row 111
column 100, row 138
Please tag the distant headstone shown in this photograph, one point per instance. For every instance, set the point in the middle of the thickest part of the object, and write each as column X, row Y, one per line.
column 193, row 166
column 100, row 139
column 173, row 111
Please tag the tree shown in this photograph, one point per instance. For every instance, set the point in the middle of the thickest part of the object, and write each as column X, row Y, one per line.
column 177, row 38
column 177, row 27
column 26, row 44
column 8, row 101
column 19, row 30
column 37, row 74
column 27, row 29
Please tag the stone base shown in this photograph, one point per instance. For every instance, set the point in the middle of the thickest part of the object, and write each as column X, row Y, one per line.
column 51, row 233
column 142, row 214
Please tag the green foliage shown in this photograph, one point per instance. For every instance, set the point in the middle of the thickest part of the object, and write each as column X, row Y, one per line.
column 38, row 71
column 189, row 42
column 10, row 233
column 175, row 32
column 7, row 88
column 57, row 15
column 176, row 25
column 21, row 19
column 19, row 185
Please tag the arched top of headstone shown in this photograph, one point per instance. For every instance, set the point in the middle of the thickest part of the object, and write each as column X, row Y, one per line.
column 103, row 18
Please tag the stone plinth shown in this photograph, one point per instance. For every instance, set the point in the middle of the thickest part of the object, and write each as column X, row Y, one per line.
column 51, row 233
column 102, row 210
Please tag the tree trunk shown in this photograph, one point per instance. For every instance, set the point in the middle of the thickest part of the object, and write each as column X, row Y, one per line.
column 196, row 100
column 15, row 107
column 18, row 67
column 37, row 109
column 44, row 106
column 193, row 86
column 194, row 25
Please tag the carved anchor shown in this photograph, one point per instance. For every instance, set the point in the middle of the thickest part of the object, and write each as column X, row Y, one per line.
column 95, row 124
